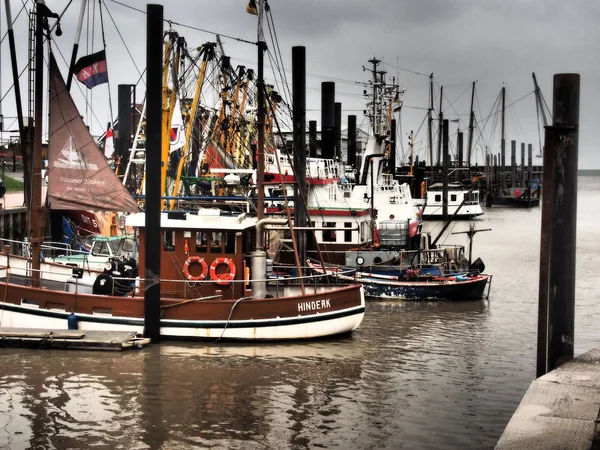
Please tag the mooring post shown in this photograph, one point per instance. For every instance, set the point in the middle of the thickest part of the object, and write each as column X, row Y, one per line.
column 502, row 163
column 328, row 119
column 299, row 119
column 312, row 138
column 562, row 142
column 522, row 181
column 445, row 158
column 513, row 164
column 154, row 69
column 351, row 152
column 530, row 170
column 337, row 131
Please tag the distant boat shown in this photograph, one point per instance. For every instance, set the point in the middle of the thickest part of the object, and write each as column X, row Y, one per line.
column 463, row 202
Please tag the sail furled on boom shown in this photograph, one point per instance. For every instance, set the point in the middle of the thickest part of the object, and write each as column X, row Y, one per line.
column 79, row 176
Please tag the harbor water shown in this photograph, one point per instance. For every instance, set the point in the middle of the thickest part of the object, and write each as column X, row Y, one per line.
column 430, row 375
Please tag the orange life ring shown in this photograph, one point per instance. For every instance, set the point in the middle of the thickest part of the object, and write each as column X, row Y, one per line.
column 192, row 260
column 222, row 278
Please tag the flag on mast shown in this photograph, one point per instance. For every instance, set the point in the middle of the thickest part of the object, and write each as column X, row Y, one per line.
column 91, row 69
column 109, row 144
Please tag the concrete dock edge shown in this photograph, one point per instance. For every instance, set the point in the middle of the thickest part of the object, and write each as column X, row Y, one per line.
column 560, row 410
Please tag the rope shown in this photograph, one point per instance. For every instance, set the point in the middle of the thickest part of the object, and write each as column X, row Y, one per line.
column 171, row 22
column 230, row 314
column 110, row 109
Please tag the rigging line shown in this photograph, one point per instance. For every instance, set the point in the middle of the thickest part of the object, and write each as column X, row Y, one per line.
column 14, row 21
column 123, row 40
column 172, row 22
column 406, row 70
column 275, row 40
column 110, row 108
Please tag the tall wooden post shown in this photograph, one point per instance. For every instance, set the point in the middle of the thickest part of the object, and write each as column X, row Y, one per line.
column 312, row 138
column 445, row 158
column 154, row 134
column 559, row 225
column 522, row 164
column 327, row 119
column 299, row 119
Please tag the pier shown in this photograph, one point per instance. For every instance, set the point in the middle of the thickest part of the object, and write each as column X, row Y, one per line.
column 560, row 409
column 71, row 339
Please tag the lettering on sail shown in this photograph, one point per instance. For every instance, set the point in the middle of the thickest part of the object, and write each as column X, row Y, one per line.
column 314, row 305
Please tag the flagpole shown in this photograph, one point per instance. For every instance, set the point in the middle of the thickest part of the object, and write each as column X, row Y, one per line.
column 76, row 44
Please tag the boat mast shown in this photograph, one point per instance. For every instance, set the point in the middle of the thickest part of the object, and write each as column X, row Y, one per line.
column 375, row 63
column 430, row 122
column 260, row 122
column 76, row 43
column 208, row 53
column 24, row 132
column 440, row 126
column 35, row 213
column 471, row 125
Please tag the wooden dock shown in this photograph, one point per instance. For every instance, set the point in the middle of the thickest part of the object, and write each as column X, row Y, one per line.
column 71, row 339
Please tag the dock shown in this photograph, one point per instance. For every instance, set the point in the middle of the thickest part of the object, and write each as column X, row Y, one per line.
column 71, row 339
column 560, row 410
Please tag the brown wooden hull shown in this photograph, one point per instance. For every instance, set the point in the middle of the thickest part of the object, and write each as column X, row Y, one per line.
column 322, row 311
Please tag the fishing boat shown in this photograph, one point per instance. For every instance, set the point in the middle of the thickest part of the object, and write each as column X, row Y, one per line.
column 436, row 274
column 213, row 283
column 463, row 202
column 395, row 269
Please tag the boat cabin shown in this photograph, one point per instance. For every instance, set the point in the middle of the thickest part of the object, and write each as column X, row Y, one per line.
column 203, row 253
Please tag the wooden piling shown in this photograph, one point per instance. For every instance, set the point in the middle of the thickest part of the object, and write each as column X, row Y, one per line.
column 327, row 119
column 522, row 181
column 299, row 119
column 154, row 68
column 563, row 140
column 445, row 158
column 513, row 164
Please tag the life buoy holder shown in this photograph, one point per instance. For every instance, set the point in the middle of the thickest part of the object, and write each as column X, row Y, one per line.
column 222, row 278
column 186, row 268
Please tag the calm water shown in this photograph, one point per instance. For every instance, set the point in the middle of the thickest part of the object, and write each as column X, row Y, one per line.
column 414, row 376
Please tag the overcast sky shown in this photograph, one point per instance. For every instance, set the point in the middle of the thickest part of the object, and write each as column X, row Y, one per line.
column 492, row 42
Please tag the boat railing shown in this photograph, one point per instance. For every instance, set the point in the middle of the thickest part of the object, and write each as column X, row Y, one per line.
column 71, row 280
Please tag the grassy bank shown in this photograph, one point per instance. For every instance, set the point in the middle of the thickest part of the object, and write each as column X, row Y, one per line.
column 12, row 185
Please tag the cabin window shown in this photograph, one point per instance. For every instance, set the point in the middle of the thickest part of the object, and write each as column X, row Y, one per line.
column 329, row 235
column 101, row 248
column 347, row 233
column 438, row 198
column 229, row 242
column 169, row 241
column 201, row 241
column 128, row 245
column 216, row 241
column 453, row 197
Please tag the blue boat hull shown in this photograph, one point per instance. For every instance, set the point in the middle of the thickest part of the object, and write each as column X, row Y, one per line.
column 473, row 289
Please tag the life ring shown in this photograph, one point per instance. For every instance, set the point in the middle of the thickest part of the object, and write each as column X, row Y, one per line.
column 517, row 193
column 186, row 268
column 222, row 278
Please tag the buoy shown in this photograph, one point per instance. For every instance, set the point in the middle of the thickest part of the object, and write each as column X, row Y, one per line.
column 73, row 322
